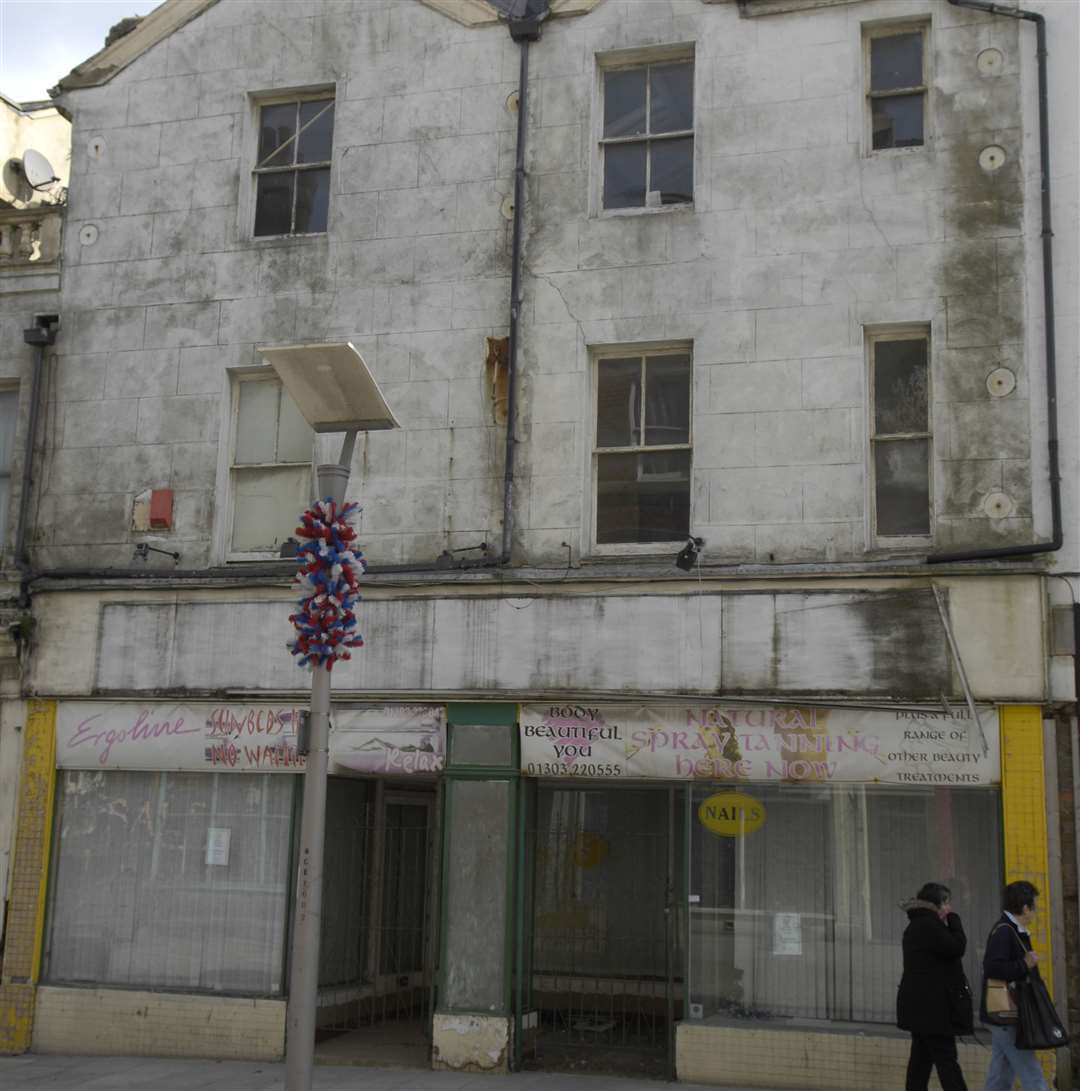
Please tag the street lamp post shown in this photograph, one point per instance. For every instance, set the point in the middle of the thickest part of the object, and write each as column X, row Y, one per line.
column 335, row 392
column 307, row 917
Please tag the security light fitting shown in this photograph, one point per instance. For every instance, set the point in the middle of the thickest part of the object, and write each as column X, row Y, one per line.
column 687, row 557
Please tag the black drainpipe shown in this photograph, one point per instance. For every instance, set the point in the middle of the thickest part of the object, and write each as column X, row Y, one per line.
column 41, row 335
column 1076, row 659
column 1048, row 305
column 524, row 23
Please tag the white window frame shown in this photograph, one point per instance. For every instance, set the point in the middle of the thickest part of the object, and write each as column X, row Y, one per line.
column 618, row 352
column 249, row 189
column 912, row 331
column 638, row 58
column 226, row 490
column 914, row 24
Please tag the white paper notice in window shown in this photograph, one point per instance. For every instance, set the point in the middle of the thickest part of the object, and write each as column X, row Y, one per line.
column 787, row 934
column 218, row 840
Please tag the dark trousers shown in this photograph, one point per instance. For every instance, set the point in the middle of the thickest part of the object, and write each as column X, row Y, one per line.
column 934, row 1051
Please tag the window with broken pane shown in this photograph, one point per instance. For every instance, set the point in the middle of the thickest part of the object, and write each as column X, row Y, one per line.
column 897, row 88
column 648, row 135
column 271, row 468
column 901, row 439
column 642, row 450
column 292, row 172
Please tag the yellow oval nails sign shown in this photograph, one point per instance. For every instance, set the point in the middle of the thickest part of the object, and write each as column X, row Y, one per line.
column 731, row 814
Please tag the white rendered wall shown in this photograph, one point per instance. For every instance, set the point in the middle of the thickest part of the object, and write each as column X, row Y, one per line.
column 797, row 240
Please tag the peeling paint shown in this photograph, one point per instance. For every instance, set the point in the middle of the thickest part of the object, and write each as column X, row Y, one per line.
column 470, row 1043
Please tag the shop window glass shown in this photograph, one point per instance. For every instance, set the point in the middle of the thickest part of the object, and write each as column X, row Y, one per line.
column 170, row 881
column 601, row 891
column 800, row 920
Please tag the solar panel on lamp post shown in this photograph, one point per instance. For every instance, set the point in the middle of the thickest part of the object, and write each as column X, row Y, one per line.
column 335, row 392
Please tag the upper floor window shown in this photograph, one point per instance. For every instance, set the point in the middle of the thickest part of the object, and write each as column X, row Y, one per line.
column 900, row 438
column 270, row 468
column 896, row 87
column 292, row 169
column 642, row 448
column 647, row 144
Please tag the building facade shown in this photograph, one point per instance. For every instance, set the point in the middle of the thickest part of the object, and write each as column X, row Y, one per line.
column 712, row 568
column 31, row 219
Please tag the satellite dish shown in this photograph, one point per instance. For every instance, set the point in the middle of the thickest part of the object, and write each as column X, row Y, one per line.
column 37, row 170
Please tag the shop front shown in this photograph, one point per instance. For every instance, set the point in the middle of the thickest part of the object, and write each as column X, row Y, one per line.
column 702, row 891
column 171, row 860
column 717, row 887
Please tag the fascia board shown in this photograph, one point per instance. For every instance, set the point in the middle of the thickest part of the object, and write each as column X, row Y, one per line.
column 157, row 26
column 476, row 13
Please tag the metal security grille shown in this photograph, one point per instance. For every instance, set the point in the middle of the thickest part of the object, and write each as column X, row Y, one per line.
column 605, row 984
column 378, row 947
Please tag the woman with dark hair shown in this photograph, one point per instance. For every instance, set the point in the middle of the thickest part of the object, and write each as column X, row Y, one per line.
column 934, row 1002
column 1009, row 958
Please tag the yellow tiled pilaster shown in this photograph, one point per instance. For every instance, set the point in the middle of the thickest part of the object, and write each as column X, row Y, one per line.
column 29, row 875
column 1023, row 796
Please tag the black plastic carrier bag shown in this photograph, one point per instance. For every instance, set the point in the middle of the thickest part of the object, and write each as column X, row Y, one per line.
column 1038, row 1025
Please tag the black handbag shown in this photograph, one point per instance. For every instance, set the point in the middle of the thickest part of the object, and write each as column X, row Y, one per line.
column 961, row 1006
column 1038, row 1025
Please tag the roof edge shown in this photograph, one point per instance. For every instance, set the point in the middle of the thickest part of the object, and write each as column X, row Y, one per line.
column 154, row 28
column 478, row 13
column 33, row 106
column 173, row 14
column 470, row 13
column 753, row 9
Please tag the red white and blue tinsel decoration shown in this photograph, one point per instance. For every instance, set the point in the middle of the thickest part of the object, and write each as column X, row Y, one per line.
column 330, row 568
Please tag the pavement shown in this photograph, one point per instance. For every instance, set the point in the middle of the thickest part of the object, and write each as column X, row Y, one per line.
column 38, row 1072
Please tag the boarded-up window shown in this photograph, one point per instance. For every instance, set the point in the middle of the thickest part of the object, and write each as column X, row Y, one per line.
column 271, row 467
column 647, row 140
column 642, row 449
column 896, row 87
column 292, row 170
column 900, row 436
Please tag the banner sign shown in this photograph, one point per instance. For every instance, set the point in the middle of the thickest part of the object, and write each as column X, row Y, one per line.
column 243, row 738
column 762, row 743
column 392, row 740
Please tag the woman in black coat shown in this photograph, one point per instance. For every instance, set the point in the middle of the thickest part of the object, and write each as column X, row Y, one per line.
column 934, row 1001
